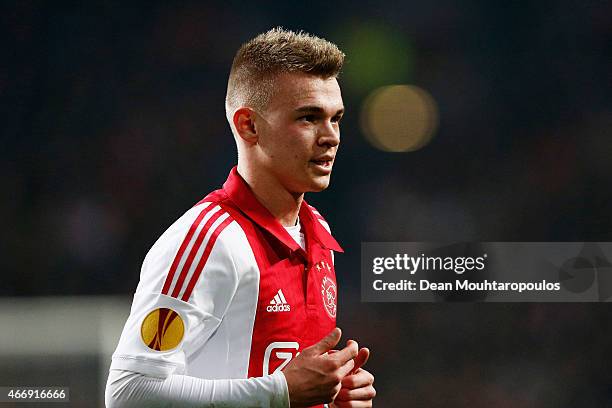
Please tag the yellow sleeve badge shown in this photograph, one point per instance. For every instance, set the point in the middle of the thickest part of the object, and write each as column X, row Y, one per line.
column 162, row 329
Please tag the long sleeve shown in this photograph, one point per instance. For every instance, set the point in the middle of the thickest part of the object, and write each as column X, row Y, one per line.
column 128, row 389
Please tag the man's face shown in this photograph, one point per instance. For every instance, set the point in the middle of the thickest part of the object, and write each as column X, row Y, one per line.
column 299, row 131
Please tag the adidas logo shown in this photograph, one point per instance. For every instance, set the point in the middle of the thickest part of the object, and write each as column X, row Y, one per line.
column 279, row 303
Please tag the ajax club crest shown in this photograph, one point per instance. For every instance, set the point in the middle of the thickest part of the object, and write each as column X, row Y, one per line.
column 328, row 290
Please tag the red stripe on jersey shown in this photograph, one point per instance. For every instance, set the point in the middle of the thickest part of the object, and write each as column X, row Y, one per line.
column 194, row 250
column 316, row 213
column 205, row 255
column 183, row 246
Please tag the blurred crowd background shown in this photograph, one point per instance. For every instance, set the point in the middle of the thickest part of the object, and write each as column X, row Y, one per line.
column 113, row 125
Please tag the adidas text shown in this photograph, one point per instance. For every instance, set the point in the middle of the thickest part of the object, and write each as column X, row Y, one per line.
column 278, row 308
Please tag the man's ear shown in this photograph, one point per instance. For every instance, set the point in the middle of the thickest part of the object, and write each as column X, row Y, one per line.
column 244, row 122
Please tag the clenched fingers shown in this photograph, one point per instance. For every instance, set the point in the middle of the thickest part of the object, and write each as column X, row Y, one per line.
column 347, row 353
column 362, row 358
column 361, row 378
column 359, row 394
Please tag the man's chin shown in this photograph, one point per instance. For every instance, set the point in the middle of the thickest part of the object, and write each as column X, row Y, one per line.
column 312, row 183
column 319, row 184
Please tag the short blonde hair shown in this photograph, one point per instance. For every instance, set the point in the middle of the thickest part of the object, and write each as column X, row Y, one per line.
column 277, row 51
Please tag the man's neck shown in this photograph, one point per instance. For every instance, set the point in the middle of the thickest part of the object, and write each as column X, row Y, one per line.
column 282, row 204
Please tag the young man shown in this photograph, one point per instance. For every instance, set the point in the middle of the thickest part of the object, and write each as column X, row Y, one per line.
column 236, row 304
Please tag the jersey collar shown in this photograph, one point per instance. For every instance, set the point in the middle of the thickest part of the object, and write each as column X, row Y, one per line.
column 241, row 194
column 315, row 229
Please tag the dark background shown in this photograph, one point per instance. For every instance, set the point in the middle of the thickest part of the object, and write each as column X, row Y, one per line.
column 113, row 125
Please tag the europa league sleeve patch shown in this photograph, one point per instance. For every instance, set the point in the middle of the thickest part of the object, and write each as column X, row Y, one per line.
column 162, row 329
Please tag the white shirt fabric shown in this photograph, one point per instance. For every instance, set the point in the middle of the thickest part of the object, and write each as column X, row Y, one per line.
column 297, row 234
column 225, row 306
column 127, row 389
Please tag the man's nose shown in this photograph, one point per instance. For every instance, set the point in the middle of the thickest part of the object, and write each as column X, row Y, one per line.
column 329, row 133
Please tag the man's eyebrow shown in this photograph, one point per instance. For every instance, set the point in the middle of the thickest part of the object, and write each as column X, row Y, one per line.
column 315, row 109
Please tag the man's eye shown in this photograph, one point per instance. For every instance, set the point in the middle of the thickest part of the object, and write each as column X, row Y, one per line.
column 308, row 118
column 336, row 119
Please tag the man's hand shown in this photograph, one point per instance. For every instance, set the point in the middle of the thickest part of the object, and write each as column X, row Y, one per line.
column 357, row 389
column 314, row 376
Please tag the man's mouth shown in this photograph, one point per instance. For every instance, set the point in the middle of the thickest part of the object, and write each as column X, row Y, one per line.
column 322, row 162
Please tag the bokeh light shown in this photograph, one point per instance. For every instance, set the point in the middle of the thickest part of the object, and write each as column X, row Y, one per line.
column 377, row 55
column 399, row 118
